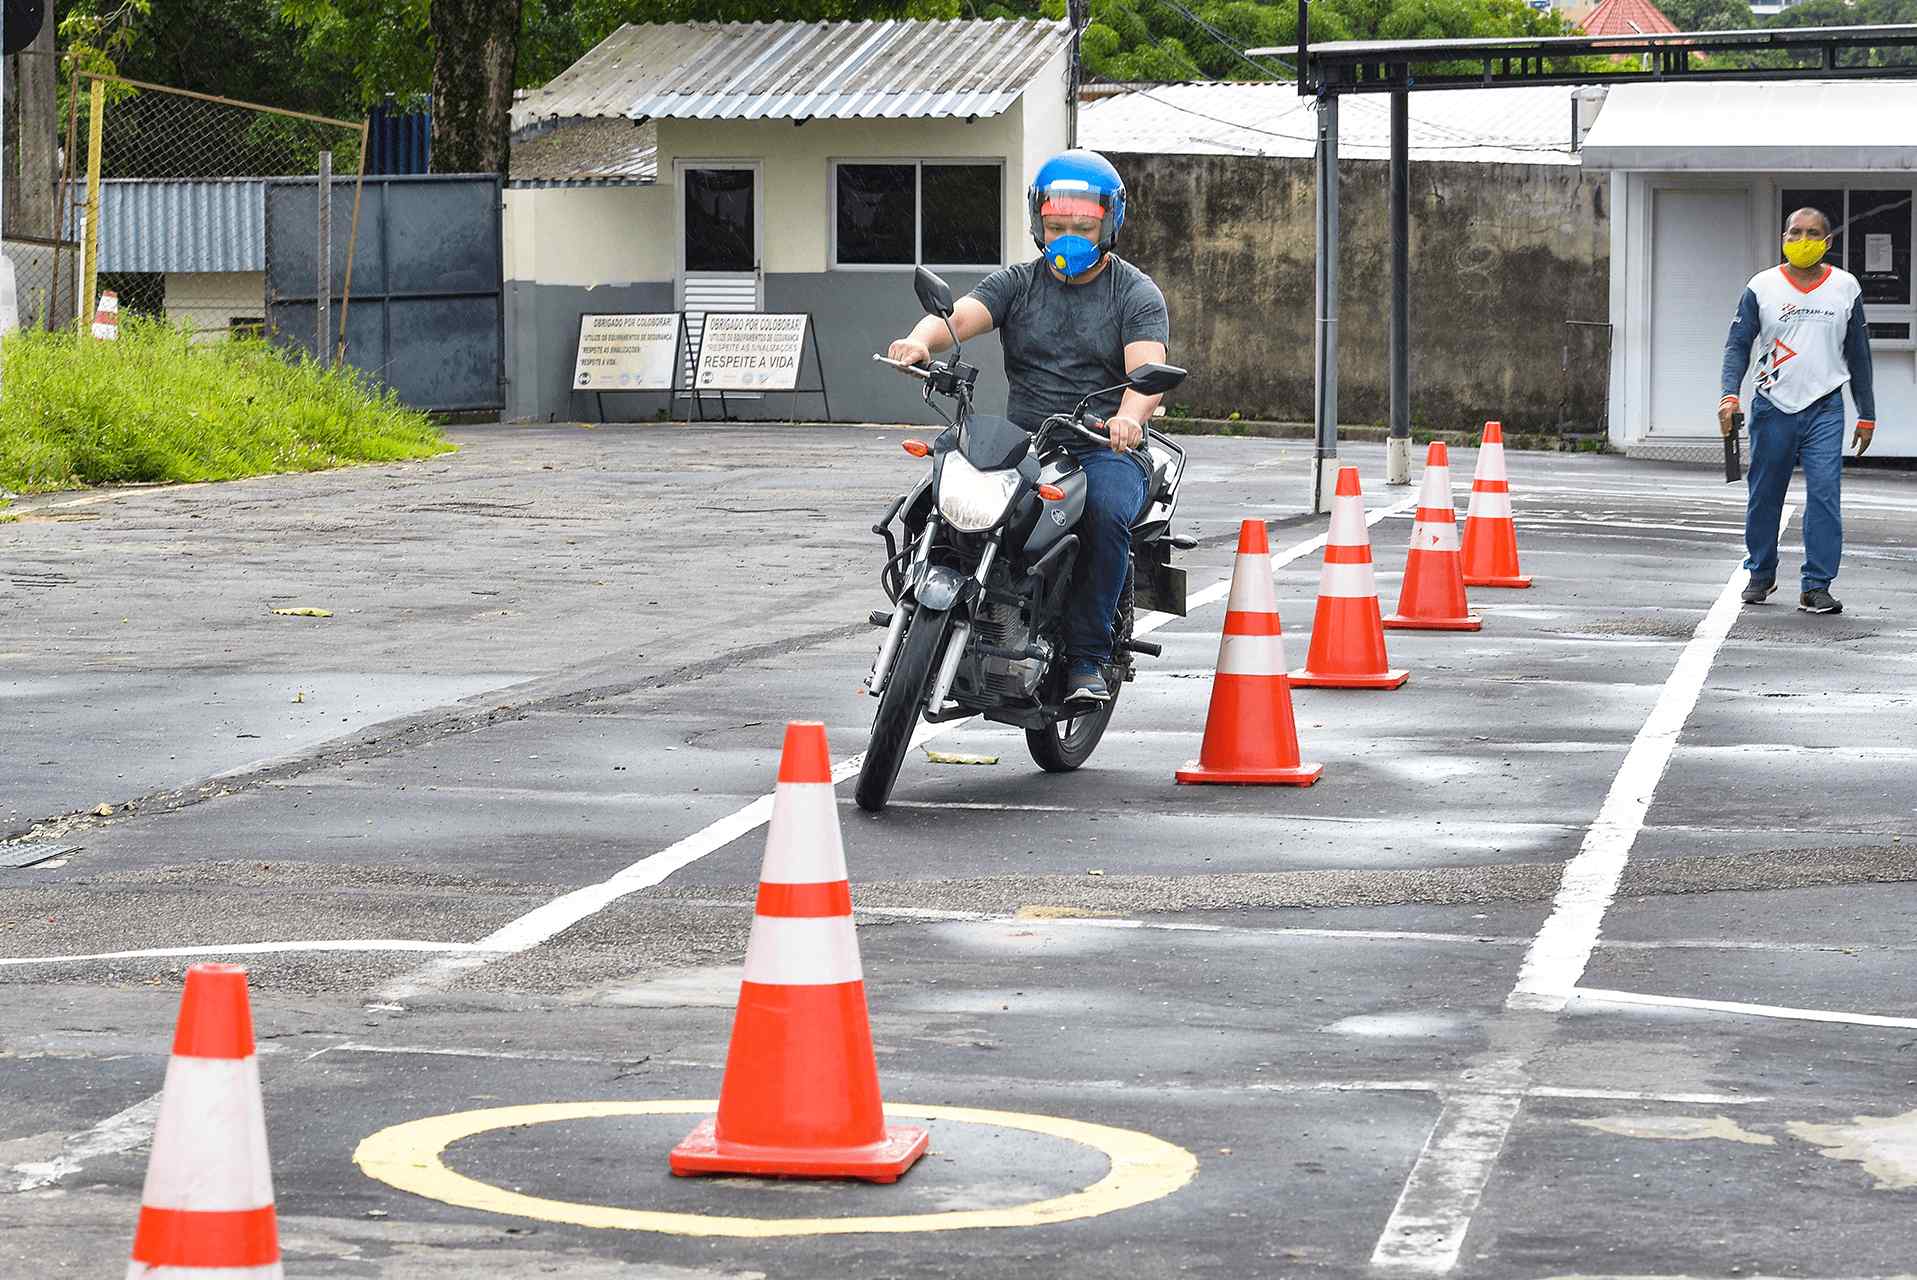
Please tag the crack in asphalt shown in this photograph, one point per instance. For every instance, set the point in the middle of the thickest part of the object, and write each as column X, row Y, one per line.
column 425, row 728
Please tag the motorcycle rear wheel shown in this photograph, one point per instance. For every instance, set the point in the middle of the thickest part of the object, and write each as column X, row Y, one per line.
column 1064, row 745
column 899, row 707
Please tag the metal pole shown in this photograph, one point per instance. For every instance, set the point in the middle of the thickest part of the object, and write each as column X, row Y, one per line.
column 90, row 251
column 1324, row 470
column 1398, row 445
column 323, row 296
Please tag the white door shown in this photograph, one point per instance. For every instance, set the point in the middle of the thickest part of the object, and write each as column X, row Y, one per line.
column 720, row 233
column 1700, row 263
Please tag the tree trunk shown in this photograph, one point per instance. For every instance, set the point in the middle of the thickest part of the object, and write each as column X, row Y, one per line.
column 32, row 137
column 475, row 55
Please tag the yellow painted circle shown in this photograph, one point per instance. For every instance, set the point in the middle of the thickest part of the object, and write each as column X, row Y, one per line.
column 407, row 1156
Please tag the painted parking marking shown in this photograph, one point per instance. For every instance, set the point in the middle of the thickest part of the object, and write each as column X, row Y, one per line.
column 409, row 1157
column 1426, row 1230
column 1598, row 995
column 545, row 922
column 1562, row 949
column 251, row 949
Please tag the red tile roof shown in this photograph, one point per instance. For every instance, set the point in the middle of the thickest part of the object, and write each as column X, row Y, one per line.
column 1626, row 18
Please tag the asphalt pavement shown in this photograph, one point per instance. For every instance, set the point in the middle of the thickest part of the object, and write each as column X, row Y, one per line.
column 487, row 837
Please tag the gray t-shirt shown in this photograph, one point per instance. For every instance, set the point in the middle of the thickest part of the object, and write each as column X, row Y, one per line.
column 1063, row 341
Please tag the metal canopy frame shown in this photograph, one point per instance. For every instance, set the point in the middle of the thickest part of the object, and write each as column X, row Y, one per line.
column 1329, row 71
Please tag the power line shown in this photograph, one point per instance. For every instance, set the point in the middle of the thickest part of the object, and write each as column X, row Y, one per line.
column 1228, row 42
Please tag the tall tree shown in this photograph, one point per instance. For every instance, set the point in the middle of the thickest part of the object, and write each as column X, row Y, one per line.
column 475, row 57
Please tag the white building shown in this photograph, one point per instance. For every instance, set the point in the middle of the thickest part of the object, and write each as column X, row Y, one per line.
column 790, row 167
column 1702, row 179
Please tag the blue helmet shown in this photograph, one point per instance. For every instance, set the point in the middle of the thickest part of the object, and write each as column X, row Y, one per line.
column 1077, row 183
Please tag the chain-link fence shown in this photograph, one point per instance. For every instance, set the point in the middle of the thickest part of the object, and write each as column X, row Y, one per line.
column 164, row 203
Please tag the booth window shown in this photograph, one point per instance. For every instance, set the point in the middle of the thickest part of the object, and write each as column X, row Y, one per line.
column 940, row 213
column 1874, row 231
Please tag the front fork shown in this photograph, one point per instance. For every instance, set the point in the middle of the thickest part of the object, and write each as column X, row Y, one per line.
column 960, row 637
column 901, row 614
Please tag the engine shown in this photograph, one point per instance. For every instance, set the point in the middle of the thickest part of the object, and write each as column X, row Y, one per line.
column 1003, row 627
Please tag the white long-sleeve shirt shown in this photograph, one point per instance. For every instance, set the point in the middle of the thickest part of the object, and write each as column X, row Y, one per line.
column 1809, row 341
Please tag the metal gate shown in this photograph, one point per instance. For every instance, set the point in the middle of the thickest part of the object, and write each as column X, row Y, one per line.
column 424, row 314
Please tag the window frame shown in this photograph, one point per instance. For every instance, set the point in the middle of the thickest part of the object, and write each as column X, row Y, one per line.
column 1904, row 313
column 918, row 211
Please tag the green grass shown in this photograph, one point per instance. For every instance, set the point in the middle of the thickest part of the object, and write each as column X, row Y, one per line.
column 154, row 406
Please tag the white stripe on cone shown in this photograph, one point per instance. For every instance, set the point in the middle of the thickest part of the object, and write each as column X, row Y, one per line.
column 1490, row 504
column 1431, row 535
column 1348, row 581
column 802, row 951
column 1437, row 488
column 139, row 1271
column 1251, row 655
column 1348, row 523
column 211, row 1137
column 803, row 846
column 1251, row 588
column 1491, row 462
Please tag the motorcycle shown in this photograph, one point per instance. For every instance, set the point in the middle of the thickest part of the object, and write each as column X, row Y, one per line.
column 980, row 573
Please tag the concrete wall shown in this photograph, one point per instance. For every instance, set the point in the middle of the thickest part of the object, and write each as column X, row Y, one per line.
column 212, row 300
column 1502, row 256
column 609, row 235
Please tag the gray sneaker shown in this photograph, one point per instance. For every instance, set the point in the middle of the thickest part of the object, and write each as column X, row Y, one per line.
column 1818, row 600
column 1085, row 682
column 1756, row 592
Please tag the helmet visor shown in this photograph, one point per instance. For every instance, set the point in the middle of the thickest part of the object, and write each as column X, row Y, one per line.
column 1073, row 208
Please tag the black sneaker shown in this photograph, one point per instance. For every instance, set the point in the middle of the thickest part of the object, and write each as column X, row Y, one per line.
column 1086, row 682
column 1818, row 600
column 1756, row 592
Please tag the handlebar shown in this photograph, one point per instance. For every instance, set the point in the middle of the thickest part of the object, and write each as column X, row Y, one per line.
column 916, row 370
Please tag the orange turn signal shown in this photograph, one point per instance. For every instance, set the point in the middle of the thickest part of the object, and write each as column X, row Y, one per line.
column 918, row 448
column 1051, row 493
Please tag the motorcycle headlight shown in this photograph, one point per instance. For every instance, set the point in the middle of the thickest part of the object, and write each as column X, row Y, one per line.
column 971, row 499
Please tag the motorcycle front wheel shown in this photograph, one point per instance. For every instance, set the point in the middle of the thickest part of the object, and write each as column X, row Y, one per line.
column 899, row 707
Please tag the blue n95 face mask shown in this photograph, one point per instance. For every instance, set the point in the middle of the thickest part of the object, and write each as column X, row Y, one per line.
column 1072, row 255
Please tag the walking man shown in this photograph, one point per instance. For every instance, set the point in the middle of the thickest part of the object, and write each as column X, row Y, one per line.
column 1806, row 319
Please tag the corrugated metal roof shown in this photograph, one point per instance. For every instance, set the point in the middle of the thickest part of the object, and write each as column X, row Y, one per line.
column 604, row 152
column 1793, row 126
column 163, row 224
column 802, row 70
column 1508, row 126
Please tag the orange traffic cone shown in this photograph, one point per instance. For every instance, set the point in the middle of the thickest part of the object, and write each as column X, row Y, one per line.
column 1490, row 555
column 1433, row 594
column 1347, row 634
column 800, row 1098
column 207, row 1210
column 1250, row 733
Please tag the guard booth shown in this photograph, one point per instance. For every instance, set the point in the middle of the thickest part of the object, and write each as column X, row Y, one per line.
column 782, row 169
column 1703, row 177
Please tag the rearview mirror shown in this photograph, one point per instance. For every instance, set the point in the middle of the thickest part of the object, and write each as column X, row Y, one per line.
column 934, row 294
column 1155, row 379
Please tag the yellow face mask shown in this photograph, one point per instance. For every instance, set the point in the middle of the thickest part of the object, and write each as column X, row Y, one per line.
column 1804, row 254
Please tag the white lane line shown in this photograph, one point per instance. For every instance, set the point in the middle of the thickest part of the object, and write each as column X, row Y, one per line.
column 124, row 1131
column 1636, row 1095
column 1562, row 949
column 1598, row 995
column 250, row 949
column 548, row 921
column 1427, row 1226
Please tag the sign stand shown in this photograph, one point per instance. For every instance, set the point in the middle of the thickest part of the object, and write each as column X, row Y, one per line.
column 607, row 343
column 730, row 376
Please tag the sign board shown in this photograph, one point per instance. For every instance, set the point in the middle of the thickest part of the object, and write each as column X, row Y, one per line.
column 629, row 352
column 750, row 351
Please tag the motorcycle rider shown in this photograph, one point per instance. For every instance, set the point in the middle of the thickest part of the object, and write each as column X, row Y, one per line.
column 1073, row 320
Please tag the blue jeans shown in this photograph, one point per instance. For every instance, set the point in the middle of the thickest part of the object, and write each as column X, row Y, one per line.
column 1780, row 442
column 1114, row 497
